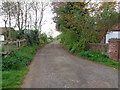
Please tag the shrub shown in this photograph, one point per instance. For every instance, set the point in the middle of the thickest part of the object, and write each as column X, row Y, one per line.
column 43, row 38
column 20, row 58
column 68, row 38
column 33, row 37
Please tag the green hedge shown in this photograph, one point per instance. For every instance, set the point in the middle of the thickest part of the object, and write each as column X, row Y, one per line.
column 19, row 58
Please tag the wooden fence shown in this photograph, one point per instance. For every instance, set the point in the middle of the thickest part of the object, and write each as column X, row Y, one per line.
column 7, row 46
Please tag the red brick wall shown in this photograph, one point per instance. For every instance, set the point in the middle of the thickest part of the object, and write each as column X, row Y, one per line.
column 114, row 49
column 98, row 46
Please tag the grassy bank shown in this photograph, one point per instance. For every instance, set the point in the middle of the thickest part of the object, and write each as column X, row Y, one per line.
column 96, row 56
column 14, row 66
column 13, row 78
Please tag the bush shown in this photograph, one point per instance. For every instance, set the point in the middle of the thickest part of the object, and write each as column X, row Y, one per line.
column 75, row 42
column 79, row 46
column 33, row 37
column 43, row 38
column 20, row 58
column 69, row 38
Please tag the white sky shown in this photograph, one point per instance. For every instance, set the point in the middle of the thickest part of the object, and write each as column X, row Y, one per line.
column 49, row 25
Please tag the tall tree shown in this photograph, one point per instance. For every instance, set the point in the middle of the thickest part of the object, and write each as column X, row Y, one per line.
column 81, row 24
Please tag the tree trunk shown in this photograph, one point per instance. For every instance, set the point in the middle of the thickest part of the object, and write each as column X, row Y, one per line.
column 26, row 16
column 22, row 20
column 18, row 15
column 36, row 19
column 9, row 31
column 41, row 16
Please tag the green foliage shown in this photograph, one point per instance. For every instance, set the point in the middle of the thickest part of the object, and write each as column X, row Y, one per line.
column 20, row 58
column 96, row 56
column 15, row 35
column 105, row 22
column 50, row 38
column 43, row 38
column 14, row 66
column 76, row 43
column 79, row 27
column 80, row 46
column 33, row 37
column 68, row 39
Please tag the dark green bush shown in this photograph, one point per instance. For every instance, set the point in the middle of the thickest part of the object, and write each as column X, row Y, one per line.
column 43, row 38
column 33, row 37
column 20, row 58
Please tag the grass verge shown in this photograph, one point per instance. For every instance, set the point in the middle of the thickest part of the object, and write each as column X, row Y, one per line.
column 13, row 78
column 14, row 66
column 96, row 56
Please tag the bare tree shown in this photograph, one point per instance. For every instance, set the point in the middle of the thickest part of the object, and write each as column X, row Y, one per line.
column 20, row 15
column 6, row 6
column 39, row 8
column 22, row 19
column 5, row 20
column 41, row 15
column 26, row 15
column 43, row 8
column 8, row 10
column 35, row 7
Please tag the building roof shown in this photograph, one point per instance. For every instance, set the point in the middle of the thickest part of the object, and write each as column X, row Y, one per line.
column 2, row 29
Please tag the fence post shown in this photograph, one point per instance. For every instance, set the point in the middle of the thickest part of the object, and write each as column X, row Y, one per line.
column 19, row 43
column 9, row 46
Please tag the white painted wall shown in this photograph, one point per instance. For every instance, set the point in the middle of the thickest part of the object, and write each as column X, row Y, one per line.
column 119, row 34
column 113, row 34
column 2, row 38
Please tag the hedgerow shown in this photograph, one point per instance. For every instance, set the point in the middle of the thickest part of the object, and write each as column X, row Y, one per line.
column 19, row 58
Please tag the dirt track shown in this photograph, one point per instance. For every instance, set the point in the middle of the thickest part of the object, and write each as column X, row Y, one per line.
column 54, row 67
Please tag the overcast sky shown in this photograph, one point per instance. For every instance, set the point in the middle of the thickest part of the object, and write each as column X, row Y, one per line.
column 49, row 25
